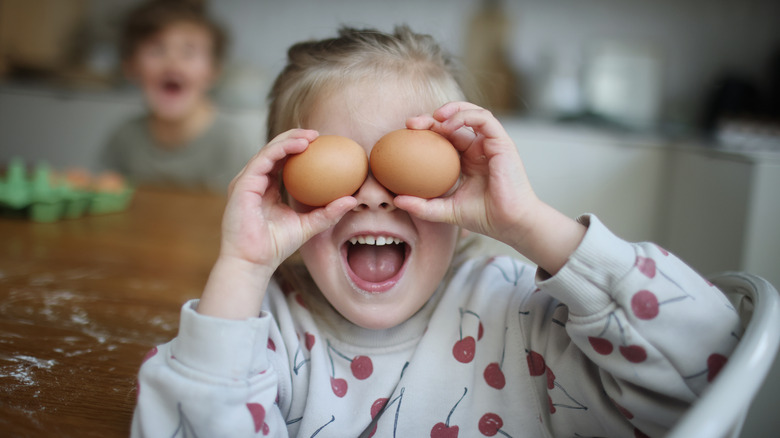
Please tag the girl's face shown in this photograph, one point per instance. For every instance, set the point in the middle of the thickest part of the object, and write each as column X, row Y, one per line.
column 375, row 283
column 175, row 69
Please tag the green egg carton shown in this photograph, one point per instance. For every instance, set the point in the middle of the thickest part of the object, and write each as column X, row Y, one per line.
column 15, row 193
column 42, row 198
column 109, row 202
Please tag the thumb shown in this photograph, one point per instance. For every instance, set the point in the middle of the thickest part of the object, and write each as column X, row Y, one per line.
column 432, row 210
column 321, row 219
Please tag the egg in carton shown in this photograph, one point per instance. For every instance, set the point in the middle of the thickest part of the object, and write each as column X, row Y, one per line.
column 48, row 196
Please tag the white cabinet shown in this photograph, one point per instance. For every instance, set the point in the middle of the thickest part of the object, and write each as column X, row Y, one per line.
column 579, row 169
column 723, row 215
column 723, row 211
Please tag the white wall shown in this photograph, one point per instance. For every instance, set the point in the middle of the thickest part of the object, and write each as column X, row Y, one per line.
column 699, row 39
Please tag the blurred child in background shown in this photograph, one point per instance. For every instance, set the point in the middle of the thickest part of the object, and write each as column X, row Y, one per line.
column 173, row 50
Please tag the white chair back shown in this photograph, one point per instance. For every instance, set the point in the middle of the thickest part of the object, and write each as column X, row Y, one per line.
column 721, row 410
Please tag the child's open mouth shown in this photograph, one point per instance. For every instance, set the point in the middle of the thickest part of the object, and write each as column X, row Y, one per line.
column 375, row 263
column 172, row 87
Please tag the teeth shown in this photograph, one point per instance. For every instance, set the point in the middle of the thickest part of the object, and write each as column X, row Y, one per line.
column 375, row 240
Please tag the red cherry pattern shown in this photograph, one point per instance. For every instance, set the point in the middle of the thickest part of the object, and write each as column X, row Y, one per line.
column 149, row 354
column 309, row 340
column 339, row 386
column 465, row 348
column 646, row 266
column 494, row 376
column 490, row 424
column 550, row 378
column 444, row 430
column 376, row 408
column 644, row 304
column 258, row 416
column 600, row 345
column 633, row 353
column 362, row 367
column 714, row 364
column 441, row 430
column 625, row 412
column 536, row 365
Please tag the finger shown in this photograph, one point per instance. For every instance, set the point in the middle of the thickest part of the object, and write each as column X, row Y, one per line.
column 321, row 219
column 449, row 109
column 432, row 210
column 480, row 120
column 421, row 122
column 268, row 160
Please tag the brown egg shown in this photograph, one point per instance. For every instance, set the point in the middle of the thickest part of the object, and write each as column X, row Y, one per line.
column 331, row 167
column 110, row 182
column 415, row 162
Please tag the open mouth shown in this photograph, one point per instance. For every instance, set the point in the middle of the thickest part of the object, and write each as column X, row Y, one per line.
column 171, row 87
column 375, row 263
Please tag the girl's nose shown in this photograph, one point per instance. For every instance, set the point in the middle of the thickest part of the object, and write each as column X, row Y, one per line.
column 373, row 196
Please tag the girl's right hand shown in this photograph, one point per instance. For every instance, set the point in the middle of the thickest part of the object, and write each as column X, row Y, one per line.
column 259, row 231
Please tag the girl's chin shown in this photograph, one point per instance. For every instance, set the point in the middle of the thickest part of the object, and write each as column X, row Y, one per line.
column 369, row 321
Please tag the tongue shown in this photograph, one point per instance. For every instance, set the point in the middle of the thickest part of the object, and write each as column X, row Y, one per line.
column 375, row 263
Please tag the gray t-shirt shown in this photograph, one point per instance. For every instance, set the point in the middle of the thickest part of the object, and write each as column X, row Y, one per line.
column 208, row 162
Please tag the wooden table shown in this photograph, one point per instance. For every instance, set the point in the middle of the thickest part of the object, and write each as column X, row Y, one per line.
column 82, row 301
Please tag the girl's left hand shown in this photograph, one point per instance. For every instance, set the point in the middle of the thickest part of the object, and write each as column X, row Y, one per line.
column 493, row 196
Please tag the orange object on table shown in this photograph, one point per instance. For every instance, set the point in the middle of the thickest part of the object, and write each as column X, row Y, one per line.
column 81, row 302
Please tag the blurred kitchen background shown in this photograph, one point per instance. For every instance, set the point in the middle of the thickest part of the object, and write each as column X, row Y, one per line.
column 662, row 117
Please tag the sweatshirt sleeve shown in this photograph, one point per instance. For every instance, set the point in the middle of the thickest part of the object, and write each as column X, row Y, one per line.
column 650, row 332
column 214, row 377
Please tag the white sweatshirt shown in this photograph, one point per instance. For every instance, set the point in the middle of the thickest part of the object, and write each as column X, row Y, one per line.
column 618, row 343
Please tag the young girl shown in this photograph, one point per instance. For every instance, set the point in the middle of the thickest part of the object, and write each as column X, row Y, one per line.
column 389, row 331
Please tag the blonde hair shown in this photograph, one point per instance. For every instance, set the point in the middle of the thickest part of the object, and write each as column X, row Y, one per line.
column 315, row 68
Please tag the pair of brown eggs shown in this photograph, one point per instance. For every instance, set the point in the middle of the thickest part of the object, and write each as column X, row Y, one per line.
column 420, row 163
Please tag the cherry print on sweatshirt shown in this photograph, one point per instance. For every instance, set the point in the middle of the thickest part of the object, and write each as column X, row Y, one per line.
column 494, row 374
column 623, row 411
column 648, row 267
column 601, row 345
column 258, row 416
column 512, row 277
column 376, row 408
column 444, row 430
column 300, row 301
column 465, row 348
column 381, row 405
column 184, row 429
column 715, row 362
column 490, row 424
column 361, row 366
column 536, row 368
column 299, row 352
